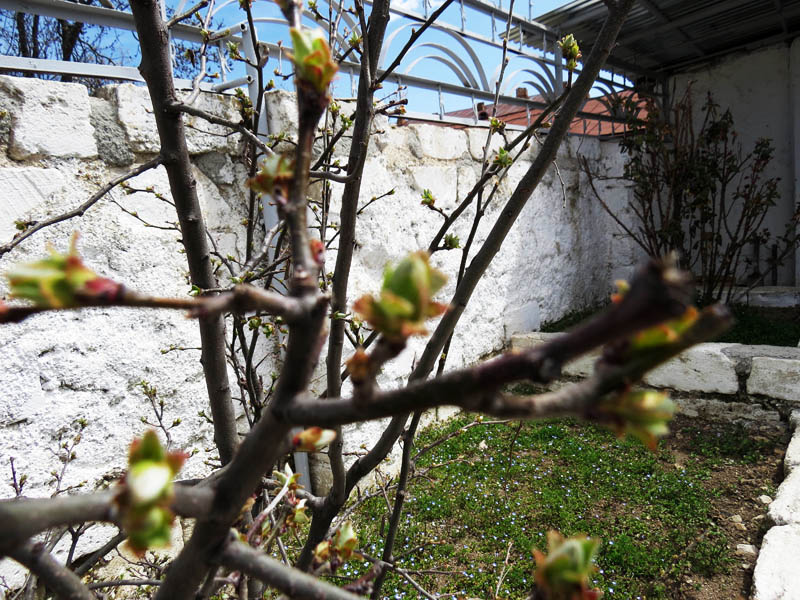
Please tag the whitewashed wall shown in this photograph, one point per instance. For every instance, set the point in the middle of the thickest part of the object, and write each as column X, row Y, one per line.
column 58, row 145
column 761, row 90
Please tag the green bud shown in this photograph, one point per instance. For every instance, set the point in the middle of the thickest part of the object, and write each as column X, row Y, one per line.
column 503, row 158
column 312, row 58
column 406, row 298
column 564, row 572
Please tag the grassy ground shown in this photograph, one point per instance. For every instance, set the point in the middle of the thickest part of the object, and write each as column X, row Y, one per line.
column 475, row 498
column 753, row 325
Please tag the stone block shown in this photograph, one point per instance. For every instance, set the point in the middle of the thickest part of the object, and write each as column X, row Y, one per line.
column 444, row 143
column 776, row 576
column 785, row 509
column 581, row 367
column 519, row 319
column 774, row 296
column 49, row 119
column 441, row 181
column 792, row 459
column 109, row 134
column 476, row 137
column 703, row 368
column 135, row 113
column 25, row 188
column 776, row 378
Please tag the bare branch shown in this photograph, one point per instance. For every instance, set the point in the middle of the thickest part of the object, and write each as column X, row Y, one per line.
column 186, row 14
column 243, row 298
column 240, row 127
column 23, row 518
column 80, row 210
column 55, row 576
column 414, row 37
column 477, row 389
column 293, row 583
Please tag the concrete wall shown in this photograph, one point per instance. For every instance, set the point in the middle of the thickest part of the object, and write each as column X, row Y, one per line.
column 761, row 90
column 58, row 146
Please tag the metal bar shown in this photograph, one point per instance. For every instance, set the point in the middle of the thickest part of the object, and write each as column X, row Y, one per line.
column 94, row 15
column 63, row 67
column 232, row 83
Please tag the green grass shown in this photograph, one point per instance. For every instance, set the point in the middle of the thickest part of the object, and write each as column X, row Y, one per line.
column 654, row 519
column 734, row 443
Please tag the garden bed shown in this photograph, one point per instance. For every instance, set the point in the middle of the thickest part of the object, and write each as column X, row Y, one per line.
column 670, row 521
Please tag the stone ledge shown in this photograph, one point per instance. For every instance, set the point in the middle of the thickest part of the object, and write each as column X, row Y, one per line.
column 776, row 378
column 785, row 509
column 776, row 575
column 706, row 368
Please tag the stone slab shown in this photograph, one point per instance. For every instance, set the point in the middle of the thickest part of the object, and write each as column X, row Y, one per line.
column 49, row 119
column 774, row 296
column 581, row 367
column 703, row 368
column 444, row 143
column 785, row 509
column 707, row 408
column 776, row 378
column 792, row 459
column 777, row 576
column 24, row 189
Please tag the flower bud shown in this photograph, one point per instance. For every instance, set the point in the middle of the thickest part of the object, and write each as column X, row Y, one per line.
column 564, row 573
column 61, row 281
column 312, row 58
column 406, row 298
column 313, row 439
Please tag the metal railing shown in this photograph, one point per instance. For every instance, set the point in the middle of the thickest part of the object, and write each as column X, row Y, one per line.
column 466, row 58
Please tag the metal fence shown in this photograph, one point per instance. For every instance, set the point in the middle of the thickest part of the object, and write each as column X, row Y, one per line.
column 449, row 74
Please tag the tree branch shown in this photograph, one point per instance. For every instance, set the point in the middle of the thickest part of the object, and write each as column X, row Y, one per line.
column 476, row 390
column 243, row 298
column 23, row 518
column 240, row 127
column 55, row 576
column 156, row 68
column 295, row 584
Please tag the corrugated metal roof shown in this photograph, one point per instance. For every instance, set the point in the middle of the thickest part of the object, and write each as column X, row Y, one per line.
column 665, row 36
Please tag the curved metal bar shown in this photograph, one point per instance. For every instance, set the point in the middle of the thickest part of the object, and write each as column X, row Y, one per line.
column 453, row 67
column 545, row 86
column 479, row 70
column 456, row 58
column 542, row 91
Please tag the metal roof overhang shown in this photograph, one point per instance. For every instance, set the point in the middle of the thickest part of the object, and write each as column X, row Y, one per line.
column 668, row 36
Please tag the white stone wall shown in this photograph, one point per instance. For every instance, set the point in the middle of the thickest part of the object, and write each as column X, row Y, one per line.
column 58, row 146
column 760, row 88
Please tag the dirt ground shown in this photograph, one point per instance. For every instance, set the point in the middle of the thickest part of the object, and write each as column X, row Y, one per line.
column 738, row 509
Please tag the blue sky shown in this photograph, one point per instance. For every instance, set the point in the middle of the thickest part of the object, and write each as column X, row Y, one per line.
column 418, row 60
